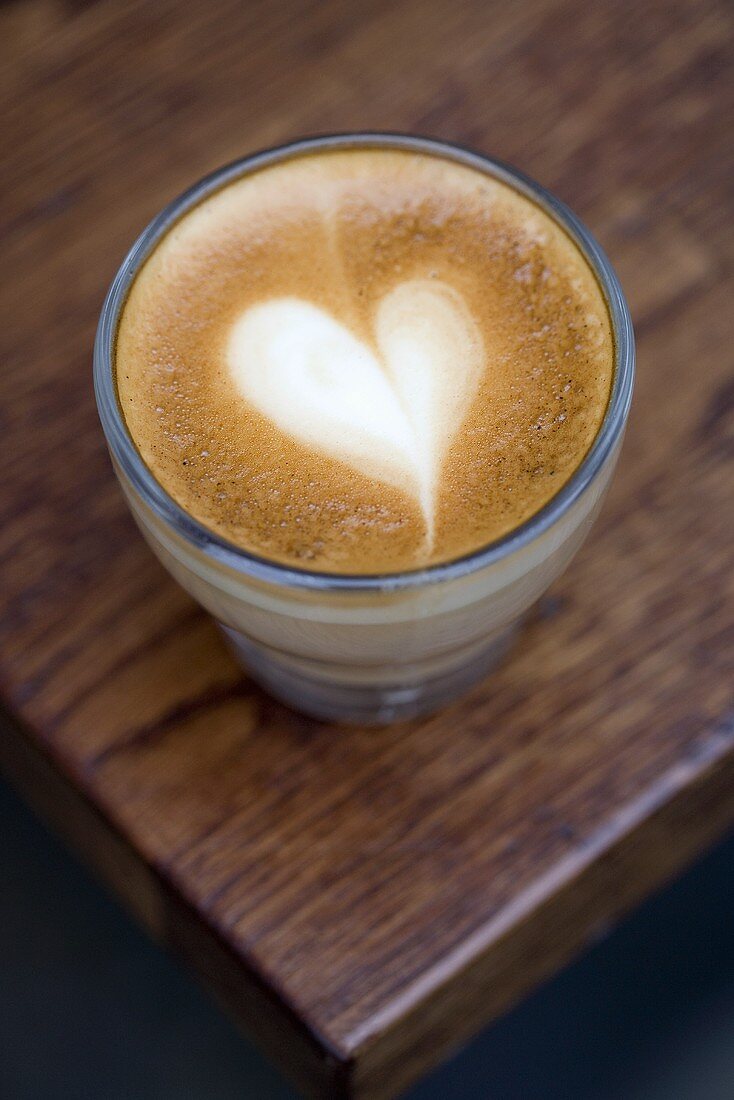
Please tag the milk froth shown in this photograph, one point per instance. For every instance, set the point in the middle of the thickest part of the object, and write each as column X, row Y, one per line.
column 364, row 361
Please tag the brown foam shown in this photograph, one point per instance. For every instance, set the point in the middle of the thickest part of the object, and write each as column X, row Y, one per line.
column 340, row 230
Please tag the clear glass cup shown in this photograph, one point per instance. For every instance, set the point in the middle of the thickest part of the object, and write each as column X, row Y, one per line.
column 368, row 649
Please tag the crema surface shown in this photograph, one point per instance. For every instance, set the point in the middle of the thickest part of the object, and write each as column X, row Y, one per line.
column 364, row 361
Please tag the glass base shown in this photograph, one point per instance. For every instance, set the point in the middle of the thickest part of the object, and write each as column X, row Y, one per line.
column 371, row 696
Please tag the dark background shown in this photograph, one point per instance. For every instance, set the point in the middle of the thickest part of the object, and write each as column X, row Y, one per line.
column 89, row 1008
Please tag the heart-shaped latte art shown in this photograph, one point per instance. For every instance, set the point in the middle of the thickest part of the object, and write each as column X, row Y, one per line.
column 390, row 415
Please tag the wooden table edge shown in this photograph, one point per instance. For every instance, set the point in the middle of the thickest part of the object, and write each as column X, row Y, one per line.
column 688, row 809
column 308, row 1059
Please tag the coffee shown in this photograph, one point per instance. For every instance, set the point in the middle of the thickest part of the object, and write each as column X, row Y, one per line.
column 363, row 361
column 363, row 354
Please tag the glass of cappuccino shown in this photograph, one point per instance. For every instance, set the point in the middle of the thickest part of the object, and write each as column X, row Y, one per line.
column 364, row 395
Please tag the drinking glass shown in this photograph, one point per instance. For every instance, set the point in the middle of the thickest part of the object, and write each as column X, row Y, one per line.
column 376, row 648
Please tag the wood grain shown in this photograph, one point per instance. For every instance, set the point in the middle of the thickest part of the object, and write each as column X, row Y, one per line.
column 364, row 901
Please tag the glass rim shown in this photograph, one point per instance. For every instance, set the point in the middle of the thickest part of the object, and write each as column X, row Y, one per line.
column 229, row 554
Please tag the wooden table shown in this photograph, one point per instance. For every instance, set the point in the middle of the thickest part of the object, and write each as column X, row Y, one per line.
column 363, row 901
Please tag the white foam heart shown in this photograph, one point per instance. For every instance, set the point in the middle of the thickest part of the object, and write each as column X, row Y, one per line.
column 390, row 415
